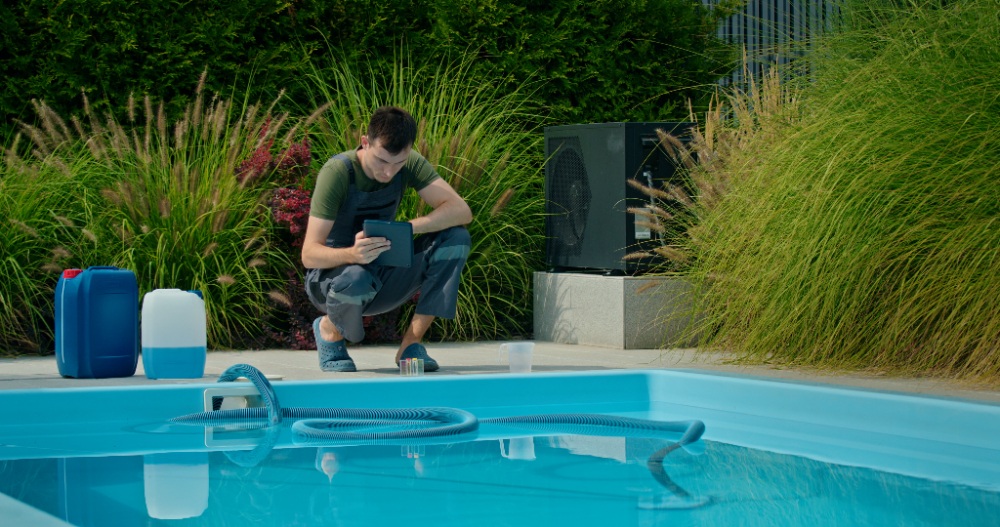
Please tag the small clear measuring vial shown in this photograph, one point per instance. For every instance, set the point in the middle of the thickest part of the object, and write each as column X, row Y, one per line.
column 411, row 367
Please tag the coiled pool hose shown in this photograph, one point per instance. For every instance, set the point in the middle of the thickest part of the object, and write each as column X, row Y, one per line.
column 354, row 425
column 351, row 425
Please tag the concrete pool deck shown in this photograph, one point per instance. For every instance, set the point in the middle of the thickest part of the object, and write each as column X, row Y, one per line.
column 465, row 358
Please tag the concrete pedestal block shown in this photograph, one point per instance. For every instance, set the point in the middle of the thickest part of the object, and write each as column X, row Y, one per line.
column 622, row 312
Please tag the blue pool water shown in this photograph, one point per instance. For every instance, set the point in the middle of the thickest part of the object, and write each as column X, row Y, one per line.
column 774, row 453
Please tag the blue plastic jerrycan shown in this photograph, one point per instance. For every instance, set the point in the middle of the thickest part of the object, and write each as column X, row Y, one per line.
column 97, row 323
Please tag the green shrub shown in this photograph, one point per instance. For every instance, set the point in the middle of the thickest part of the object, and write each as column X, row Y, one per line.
column 604, row 60
column 107, row 50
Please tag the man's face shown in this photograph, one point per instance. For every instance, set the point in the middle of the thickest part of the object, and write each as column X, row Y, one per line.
column 378, row 163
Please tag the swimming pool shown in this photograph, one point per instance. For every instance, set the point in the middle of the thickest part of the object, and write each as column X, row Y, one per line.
column 773, row 453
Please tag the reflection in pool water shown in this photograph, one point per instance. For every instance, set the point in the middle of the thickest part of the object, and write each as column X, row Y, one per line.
column 582, row 479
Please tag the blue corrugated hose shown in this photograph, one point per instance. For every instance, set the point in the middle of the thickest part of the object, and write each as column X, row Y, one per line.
column 409, row 425
column 361, row 425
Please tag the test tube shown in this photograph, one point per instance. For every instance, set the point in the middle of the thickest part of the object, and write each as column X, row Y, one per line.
column 420, row 367
column 404, row 367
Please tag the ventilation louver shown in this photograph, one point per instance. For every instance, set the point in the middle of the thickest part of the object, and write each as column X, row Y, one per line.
column 570, row 197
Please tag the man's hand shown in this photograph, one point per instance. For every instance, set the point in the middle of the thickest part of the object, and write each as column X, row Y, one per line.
column 366, row 250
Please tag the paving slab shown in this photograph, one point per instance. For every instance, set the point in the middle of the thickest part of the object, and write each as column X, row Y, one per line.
column 467, row 358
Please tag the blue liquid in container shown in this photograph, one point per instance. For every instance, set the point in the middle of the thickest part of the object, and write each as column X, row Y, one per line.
column 97, row 323
column 186, row 362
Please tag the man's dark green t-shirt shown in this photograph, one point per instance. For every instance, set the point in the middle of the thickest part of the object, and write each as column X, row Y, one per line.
column 334, row 179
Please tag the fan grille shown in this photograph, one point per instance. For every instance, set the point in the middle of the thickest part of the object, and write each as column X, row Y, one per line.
column 569, row 196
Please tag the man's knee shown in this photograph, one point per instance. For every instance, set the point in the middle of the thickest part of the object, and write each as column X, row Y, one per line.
column 354, row 285
column 458, row 235
column 453, row 244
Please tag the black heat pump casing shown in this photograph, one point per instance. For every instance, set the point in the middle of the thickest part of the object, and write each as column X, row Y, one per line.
column 587, row 194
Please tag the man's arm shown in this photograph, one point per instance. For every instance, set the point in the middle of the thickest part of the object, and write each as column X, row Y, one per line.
column 316, row 255
column 450, row 209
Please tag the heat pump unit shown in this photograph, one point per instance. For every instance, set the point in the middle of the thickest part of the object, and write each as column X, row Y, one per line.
column 587, row 168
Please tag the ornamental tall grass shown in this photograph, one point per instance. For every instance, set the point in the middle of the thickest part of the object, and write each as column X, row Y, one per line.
column 41, row 224
column 486, row 143
column 864, row 233
column 158, row 198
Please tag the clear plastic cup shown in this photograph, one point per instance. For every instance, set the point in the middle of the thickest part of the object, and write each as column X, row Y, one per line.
column 518, row 355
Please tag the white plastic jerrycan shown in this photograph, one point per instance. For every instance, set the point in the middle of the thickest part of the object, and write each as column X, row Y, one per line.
column 174, row 337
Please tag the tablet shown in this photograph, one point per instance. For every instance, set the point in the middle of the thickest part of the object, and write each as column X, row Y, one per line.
column 399, row 234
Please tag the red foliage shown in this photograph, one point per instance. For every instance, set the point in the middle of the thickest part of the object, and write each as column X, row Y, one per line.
column 259, row 163
column 293, row 164
column 288, row 168
column 290, row 207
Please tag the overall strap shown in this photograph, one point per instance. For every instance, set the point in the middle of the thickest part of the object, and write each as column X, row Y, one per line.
column 352, row 176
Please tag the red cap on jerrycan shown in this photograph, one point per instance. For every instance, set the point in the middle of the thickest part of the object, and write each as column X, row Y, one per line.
column 71, row 273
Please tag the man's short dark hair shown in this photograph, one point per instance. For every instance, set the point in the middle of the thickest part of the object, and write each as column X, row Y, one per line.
column 394, row 126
